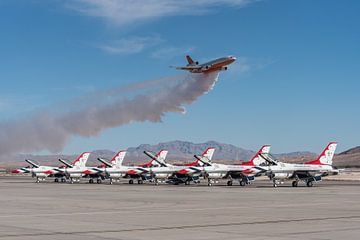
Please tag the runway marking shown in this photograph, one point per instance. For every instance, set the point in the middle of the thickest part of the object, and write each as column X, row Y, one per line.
column 131, row 209
column 180, row 227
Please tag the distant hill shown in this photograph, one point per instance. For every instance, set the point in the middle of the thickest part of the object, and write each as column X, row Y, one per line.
column 183, row 151
column 354, row 150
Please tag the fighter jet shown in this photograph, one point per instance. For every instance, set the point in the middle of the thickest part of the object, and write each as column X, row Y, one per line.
column 308, row 172
column 219, row 64
column 78, row 169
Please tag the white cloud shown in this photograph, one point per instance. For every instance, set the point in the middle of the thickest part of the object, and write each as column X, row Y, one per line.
column 130, row 45
column 124, row 12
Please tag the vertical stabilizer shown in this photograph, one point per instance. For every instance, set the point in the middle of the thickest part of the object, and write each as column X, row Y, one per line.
column 118, row 159
column 326, row 156
column 257, row 159
column 81, row 160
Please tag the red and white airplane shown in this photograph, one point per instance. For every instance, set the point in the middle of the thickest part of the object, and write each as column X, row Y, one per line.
column 41, row 172
column 308, row 172
column 244, row 173
column 248, row 175
column 219, row 64
column 176, row 174
column 78, row 169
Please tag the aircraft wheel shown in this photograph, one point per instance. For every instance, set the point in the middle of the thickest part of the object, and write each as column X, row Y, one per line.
column 140, row 181
column 187, row 182
column 310, row 184
column 37, row 180
column 295, row 183
column 56, row 180
column 242, row 183
column 209, row 184
column 111, row 181
column 91, row 180
column 63, row 180
column 229, row 183
column 98, row 181
column 131, row 181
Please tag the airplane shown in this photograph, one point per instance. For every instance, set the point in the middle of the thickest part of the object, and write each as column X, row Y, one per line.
column 219, row 64
column 308, row 172
column 248, row 175
column 116, row 170
column 77, row 169
column 190, row 172
column 245, row 173
column 111, row 168
column 41, row 172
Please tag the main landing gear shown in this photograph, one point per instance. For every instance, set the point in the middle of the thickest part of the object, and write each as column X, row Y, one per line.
column 309, row 183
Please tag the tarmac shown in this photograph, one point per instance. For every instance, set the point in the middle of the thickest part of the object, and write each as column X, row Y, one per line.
column 329, row 210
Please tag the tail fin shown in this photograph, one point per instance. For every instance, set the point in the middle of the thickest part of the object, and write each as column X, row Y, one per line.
column 257, row 159
column 118, row 158
column 208, row 153
column 161, row 155
column 81, row 160
column 325, row 158
column 205, row 158
column 189, row 60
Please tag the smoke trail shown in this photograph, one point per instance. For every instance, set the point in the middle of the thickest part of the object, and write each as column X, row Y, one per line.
column 51, row 130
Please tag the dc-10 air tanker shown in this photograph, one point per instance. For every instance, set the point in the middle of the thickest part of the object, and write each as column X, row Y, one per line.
column 219, row 64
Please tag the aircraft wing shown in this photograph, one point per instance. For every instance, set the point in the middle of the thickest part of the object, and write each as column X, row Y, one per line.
column 188, row 68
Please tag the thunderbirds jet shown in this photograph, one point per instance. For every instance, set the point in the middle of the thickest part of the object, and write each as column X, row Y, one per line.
column 219, row 64
column 180, row 174
column 247, row 175
column 41, row 172
column 78, row 169
column 308, row 172
column 244, row 172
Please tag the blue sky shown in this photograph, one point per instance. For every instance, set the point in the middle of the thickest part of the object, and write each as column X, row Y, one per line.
column 295, row 84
